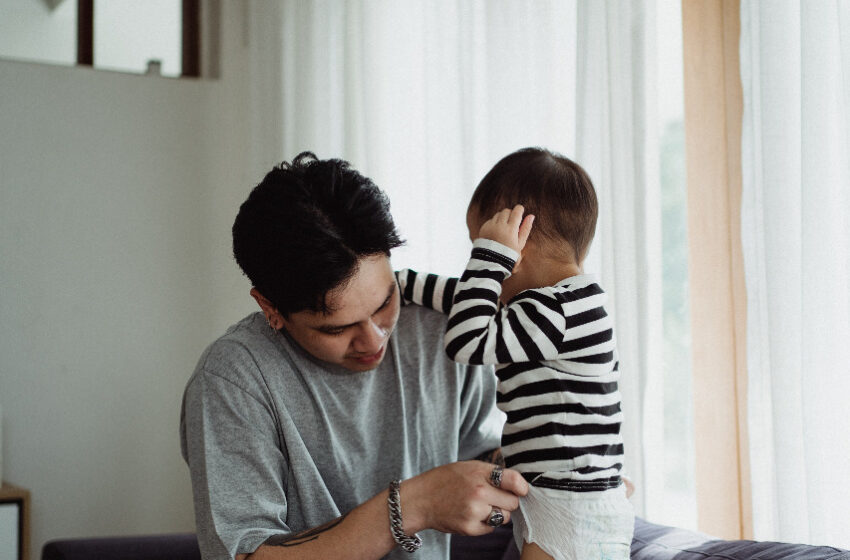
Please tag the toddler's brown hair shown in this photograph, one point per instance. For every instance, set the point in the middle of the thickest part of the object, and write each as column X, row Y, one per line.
column 557, row 190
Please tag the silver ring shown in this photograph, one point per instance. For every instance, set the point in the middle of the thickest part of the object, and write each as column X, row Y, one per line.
column 496, row 517
column 496, row 476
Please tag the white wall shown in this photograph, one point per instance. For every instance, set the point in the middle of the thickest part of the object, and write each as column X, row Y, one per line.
column 117, row 193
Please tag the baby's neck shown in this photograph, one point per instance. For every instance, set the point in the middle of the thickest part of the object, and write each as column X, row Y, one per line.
column 547, row 272
column 540, row 267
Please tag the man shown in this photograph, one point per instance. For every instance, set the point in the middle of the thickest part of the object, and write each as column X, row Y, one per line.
column 299, row 421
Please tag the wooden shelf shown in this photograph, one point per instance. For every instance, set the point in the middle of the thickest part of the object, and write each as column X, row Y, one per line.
column 21, row 496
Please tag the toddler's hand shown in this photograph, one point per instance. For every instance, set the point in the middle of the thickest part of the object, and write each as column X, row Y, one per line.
column 508, row 227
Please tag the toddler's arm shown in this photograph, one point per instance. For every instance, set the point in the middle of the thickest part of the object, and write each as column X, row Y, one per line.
column 428, row 290
column 530, row 328
column 437, row 292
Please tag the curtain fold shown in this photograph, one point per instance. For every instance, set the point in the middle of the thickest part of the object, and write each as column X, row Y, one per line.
column 795, row 70
column 618, row 144
column 425, row 97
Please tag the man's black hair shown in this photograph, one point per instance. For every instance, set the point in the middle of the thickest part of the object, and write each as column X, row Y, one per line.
column 303, row 230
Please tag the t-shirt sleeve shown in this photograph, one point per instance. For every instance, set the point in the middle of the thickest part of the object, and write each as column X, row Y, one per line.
column 237, row 466
column 481, row 421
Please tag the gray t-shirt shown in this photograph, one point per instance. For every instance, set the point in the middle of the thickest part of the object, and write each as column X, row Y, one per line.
column 278, row 441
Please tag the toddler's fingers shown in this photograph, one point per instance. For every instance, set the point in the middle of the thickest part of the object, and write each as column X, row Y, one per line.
column 515, row 215
column 525, row 229
column 503, row 216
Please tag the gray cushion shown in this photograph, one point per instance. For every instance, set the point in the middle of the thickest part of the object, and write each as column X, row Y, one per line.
column 659, row 542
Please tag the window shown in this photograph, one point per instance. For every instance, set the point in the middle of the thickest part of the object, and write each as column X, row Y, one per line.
column 33, row 31
column 156, row 36
column 129, row 36
column 678, row 505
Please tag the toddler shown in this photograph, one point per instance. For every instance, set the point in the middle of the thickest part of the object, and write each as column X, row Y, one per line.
column 525, row 305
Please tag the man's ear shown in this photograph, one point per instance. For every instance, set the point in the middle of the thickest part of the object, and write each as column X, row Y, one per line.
column 273, row 316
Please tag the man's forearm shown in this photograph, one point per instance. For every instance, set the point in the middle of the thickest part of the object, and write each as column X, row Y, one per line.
column 361, row 533
column 288, row 541
column 453, row 498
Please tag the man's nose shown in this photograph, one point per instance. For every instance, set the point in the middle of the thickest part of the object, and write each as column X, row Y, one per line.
column 370, row 338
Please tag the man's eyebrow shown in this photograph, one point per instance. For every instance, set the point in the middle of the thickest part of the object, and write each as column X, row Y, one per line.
column 393, row 287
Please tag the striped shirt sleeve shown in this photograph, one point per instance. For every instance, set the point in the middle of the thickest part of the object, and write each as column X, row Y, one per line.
column 428, row 290
column 530, row 328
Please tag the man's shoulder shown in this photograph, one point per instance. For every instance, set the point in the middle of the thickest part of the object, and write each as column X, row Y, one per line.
column 243, row 334
column 239, row 350
column 419, row 335
column 418, row 319
column 419, row 339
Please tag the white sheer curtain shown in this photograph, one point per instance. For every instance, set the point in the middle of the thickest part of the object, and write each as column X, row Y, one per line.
column 795, row 68
column 424, row 97
column 618, row 144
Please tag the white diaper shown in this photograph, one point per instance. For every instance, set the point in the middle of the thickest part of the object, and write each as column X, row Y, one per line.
column 576, row 525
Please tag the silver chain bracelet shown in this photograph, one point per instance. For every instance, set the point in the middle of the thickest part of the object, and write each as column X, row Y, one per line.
column 410, row 543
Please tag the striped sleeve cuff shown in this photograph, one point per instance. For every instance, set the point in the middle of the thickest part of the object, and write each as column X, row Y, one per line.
column 494, row 252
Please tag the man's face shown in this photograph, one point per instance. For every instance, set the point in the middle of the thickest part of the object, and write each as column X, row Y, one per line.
column 355, row 334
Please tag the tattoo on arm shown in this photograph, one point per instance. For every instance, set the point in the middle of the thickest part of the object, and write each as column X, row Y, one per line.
column 304, row 536
column 494, row 456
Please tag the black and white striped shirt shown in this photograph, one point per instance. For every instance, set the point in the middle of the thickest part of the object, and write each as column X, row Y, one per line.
column 556, row 363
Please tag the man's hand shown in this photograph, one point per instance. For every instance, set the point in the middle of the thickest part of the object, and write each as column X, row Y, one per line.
column 458, row 498
column 508, row 227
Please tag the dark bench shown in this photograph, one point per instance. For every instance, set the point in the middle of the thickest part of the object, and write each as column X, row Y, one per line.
column 651, row 542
